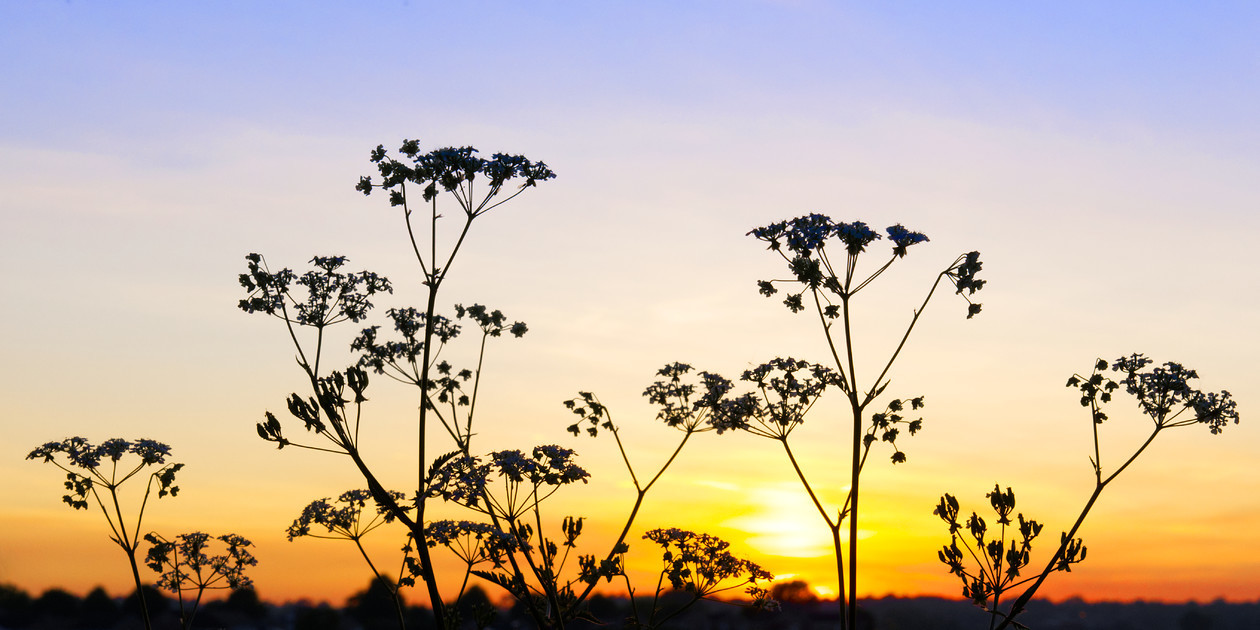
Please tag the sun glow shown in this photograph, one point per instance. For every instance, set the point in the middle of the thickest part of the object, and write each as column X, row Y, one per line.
column 786, row 523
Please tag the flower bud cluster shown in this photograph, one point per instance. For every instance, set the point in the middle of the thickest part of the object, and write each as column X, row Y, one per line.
column 330, row 295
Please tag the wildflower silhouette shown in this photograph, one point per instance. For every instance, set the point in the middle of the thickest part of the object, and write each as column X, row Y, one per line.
column 93, row 470
column 700, row 566
column 687, row 403
column 327, row 296
column 509, row 488
column 183, row 564
column 822, row 258
column 1164, row 394
column 343, row 519
column 509, row 545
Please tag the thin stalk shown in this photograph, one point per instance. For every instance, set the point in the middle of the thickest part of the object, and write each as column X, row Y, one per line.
column 856, row 466
column 875, row 384
column 393, row 590
column 472, row 403
column 135, row 574
column 196, row 602
column 1101, row 483
column 804, row 482
column 640, row 492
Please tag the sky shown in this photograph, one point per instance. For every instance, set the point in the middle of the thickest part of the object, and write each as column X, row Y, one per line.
column 1102, row 157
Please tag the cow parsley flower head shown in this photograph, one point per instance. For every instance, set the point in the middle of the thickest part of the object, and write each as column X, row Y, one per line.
column 343, row 518
column 701, row 563
column 855, row 236
column 903, row 239
column 1164, row 392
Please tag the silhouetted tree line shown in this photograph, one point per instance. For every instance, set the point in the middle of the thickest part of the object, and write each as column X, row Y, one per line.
column 373, row 608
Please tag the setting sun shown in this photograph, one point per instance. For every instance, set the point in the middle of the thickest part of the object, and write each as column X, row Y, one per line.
column 785, row 523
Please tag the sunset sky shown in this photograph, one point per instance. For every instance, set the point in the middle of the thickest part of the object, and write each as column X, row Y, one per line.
column 1104, row 158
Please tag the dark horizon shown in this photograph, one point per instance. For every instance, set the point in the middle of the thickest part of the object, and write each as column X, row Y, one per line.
column 371, row 608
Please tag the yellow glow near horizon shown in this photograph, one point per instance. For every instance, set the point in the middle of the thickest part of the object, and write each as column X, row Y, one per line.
column 1108, row 192
column 786, row 523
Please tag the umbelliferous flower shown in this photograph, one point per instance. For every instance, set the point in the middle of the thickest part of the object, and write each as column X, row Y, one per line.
column 88, row 459
column 1164, row 393
column 784, row 391
column 472, row 542
column 687, row 405
column 469, row 480
column 903, row 239
column 449, row 168
column 331, row 296
column 700, row 563
column 343, row 518
column 184, row 564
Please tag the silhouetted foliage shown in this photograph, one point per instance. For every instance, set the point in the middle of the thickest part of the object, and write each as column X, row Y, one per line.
column 826, row 282
column 508, row 545
column 244, row 601
column 1163, row 393
column 98, row 609
column 153, row 599
column 321, row 617
column 375, row 607
column 15, row 606
column 93, row 470
column 793, row 592
column 57, row 604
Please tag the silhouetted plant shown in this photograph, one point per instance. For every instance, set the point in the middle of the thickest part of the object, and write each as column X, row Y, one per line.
column 509, row 488
column 89, row 467
column 475, row 606
column 506, row 488
column 700, row 566
column 1163, row 394
column 183, row 564
column 785, row 389
column 343, row 520
column 685, row 402
column 329, row 296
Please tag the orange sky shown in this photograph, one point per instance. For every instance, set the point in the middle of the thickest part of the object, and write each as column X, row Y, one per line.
column 1104, row 165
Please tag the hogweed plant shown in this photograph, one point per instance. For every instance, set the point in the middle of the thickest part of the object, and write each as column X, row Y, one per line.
column 700, row 566
column 509, row 487
column 1164, row 395
column 183, row 565
column 327, row 296
column 507, row 543
column 343, row 519
column 822, row 257
column 96, row 470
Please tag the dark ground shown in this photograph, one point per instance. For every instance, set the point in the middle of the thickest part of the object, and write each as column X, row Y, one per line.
column 58, row 610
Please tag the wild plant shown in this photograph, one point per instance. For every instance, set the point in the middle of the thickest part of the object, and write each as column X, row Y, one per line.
column 343, row 519
column 1163, row 393
column 93, row 470
column 329, row 296
column 822, row 257
column 700, row 566
column 507, row 544
column 184, row 565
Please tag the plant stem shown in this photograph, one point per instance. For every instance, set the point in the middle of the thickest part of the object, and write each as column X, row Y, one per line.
column 393, row 590
column 1101, row 483
column 135, row 574
column 856, row 467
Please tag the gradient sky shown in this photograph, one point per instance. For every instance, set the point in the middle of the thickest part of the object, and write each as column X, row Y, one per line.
column 1103, row 157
